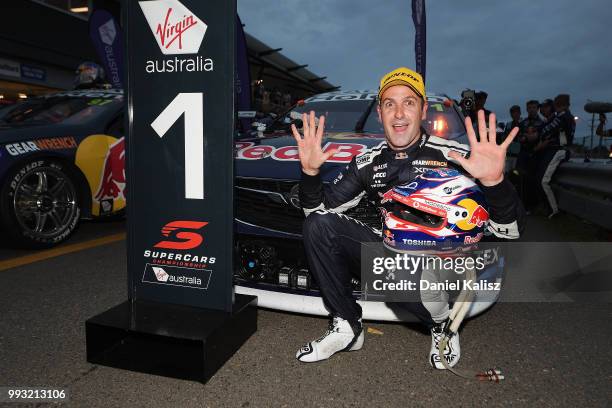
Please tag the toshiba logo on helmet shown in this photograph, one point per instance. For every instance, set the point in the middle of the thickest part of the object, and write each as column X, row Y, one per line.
column 176, row 29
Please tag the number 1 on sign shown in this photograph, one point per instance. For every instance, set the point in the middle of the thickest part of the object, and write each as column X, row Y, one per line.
column 191, row 104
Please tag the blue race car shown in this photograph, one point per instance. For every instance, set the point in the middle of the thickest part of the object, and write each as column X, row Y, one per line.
column 61, row 158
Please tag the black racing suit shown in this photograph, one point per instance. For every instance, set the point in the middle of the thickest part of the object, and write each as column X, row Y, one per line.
column 560, row 126
column 526, row 161
column 333, row 240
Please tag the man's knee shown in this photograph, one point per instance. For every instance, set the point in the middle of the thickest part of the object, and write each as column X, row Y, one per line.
column 318, row 224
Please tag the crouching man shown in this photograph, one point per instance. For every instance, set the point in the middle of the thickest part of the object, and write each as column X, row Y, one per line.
column 333, row 240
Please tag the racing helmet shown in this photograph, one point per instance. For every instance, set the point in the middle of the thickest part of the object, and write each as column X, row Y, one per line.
column 439, row 211
column 88, row 75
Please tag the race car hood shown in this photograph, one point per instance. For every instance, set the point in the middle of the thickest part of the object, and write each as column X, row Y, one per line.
column 277, row 157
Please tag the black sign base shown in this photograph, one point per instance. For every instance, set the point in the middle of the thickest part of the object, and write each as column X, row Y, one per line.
column 169, row 340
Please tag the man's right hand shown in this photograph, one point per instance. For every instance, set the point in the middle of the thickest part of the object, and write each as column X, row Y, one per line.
column 312, row 156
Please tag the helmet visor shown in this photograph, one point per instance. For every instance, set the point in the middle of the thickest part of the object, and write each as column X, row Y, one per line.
column 418, row 217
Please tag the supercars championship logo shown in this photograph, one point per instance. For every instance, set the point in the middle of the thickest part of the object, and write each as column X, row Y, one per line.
column 177, row 31
column 171, row 263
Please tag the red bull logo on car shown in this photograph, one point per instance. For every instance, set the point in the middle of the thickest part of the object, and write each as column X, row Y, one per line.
column 102, row 160
column 112, row 182
column 251, row 151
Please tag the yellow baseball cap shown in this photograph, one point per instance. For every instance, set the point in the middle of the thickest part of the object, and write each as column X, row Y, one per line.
column 402, row 76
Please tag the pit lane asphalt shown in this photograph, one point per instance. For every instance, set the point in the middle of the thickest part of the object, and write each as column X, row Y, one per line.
column 553, row 354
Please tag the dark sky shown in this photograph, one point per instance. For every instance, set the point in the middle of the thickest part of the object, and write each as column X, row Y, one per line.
column 515, row 50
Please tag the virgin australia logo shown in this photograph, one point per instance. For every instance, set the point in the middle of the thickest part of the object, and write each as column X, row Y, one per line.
column 108, row 32
column 176, row 29
column 160, row 274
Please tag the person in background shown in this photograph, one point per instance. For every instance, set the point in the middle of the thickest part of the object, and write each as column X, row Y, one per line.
column 528, row 135
column 601, row 128
column 532, row 119
column 526, row 164
column 547, row 110
column 287, row 100
column 266, row 104
column 479, row 104
column 515, row 115
column 550, row 151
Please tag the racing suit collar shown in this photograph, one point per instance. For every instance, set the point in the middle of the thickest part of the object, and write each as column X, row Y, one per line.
column 411, row 150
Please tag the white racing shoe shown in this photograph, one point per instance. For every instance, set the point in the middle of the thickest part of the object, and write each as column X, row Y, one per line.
column 452, row 352
column 338, row 337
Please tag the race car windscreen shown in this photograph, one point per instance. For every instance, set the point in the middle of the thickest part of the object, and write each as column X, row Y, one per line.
column 442, row 120
column 340, row 116
column 56, row 109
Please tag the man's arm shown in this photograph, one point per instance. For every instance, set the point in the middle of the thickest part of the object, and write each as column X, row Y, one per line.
column 506, row 212
column 340, row 195
column 346, row 190
column 486, row 164
column 550, row 127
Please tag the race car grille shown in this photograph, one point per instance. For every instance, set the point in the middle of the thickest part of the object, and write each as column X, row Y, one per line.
column 273, row 204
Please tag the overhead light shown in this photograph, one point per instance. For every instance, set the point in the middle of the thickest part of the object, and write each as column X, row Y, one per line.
column 79, row 9
column 576, row 118
column 23, row 96
column 1, row 96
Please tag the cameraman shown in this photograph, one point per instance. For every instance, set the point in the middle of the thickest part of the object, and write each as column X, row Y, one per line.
column 481, row 100
column 472, row 102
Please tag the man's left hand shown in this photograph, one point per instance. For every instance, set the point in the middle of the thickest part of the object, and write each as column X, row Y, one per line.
column 487, row 159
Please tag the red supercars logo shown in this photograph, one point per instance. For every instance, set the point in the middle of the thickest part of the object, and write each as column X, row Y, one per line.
column 189, row 239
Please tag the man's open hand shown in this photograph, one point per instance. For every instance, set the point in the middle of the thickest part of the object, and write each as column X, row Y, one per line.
column 487, row 158
column 312, row 156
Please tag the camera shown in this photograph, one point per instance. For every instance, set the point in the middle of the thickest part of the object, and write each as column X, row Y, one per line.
column 468, row 99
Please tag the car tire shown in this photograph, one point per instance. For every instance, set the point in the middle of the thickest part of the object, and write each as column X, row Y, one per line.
column 39, row 204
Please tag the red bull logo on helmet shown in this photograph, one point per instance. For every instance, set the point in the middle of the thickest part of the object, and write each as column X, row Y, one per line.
column 479, row 216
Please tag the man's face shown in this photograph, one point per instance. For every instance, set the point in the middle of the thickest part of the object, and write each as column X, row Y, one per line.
column 532, row 110
column 560, row 107
column 546, row 110
column 515, row 114
column 401, row 112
